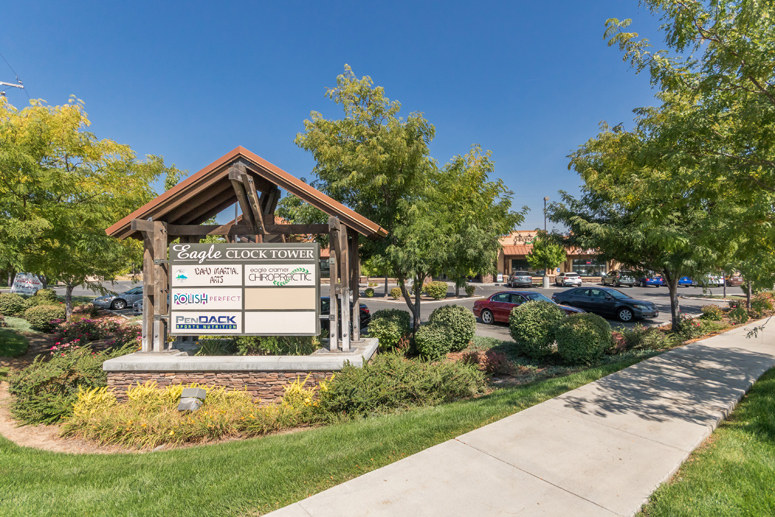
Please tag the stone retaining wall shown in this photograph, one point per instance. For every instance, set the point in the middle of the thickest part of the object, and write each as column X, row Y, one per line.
column 268, row 387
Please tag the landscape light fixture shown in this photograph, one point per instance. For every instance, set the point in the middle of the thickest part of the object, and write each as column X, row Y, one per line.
column 191, row 399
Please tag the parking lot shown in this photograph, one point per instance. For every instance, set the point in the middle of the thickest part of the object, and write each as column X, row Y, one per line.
column 657, row 295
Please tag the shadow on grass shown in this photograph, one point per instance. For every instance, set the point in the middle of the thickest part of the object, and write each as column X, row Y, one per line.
column 12, row 343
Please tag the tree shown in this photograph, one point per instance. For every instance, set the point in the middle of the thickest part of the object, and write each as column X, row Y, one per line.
column 477, row 211
column 60, row 187
column 296, row 211
column 546, row 254
column 378, row 164
column 629, row 213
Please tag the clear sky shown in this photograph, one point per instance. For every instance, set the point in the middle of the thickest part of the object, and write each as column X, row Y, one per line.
column 192, row 80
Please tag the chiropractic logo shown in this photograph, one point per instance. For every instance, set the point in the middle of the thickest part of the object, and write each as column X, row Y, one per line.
column 280, row 276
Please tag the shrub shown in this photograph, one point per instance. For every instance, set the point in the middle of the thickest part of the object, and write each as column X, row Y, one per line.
column 532, row 326
column 496, row 363
column 11, row 304
column 644, row 338
column 44, row 317
column 694, row 328
column 395, row 293
column 369, row 292
column 460, row 321
column 470, row 290
column 276, row 345
column 760, row 303
column 436, row 290
column 46, row 390
column 216, row 347
column 738, row 315
column 413, row 290
column 712, row 313
column 389, row 326
column 582, row 338
column 84, row 329
column 47, row 294
column 433, row 341
column 392, row 382
column 2, row 321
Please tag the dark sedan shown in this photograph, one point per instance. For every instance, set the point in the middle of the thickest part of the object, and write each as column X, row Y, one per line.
column 325, row 311
column 498, row 306
column 607, row 302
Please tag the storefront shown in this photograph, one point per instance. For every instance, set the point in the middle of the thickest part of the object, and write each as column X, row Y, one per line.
column 589, row 266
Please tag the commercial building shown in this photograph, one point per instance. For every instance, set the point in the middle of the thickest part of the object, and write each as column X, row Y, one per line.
column 517, row 245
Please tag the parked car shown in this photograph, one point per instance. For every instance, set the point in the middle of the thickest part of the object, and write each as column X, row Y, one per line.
column 498, row 306
column 118, row 301
column 710, row 281
column 685, row 281
column 619, row 278
column 520, row 279
column 655, row 280
column 325, row 311
column 607, row 302
column 734, row 281
column 566, row 279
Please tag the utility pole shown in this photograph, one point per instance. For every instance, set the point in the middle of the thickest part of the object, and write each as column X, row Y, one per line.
column 12, row 85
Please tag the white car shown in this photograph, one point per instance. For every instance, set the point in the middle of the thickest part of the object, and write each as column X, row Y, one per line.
column 566, row 279
column 710, row 281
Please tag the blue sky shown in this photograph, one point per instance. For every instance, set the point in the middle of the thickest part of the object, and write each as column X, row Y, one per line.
column 192, row 80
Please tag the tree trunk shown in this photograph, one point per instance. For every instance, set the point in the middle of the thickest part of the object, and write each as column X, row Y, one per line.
column 748, row 293
column 457, row 288
column 417, row 299
column 675, row 309
column 724, row 288
column 386, row 285
column 69, row 300
column 10, row 277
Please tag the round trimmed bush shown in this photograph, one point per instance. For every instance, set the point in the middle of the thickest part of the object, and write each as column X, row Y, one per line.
column 41, row 316
column 459, row 321
column 470, row 290
column 369, row 292
column 389, row 326
column 532, row 326
column 582, row 338
column 395, row 293
column 712, row 313
column 46, row 294
column 433, row 341
column 11, row 304
column 436, row 290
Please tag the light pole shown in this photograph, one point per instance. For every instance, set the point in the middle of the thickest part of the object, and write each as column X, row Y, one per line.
column 545, row 200
column 546, row 272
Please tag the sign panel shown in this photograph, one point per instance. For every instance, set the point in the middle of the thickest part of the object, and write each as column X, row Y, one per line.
column 26, row 283
column 245, row 289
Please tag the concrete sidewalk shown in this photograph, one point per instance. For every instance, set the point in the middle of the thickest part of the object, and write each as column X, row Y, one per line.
column 600, row 449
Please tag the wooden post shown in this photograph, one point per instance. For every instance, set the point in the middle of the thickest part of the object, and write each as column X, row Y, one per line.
column 148, row 308
column 160, row 286
column 344, row 275
column 355, row 282
column 333, row 319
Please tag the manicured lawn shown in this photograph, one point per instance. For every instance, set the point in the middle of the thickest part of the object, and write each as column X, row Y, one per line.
column 734, row 472
column 12, row 342
column 252, row 476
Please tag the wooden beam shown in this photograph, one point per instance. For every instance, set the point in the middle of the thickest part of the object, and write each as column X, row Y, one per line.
column 254, row 201
column 344, row 275
column 235, row 176
column 355, row 282
column 207, row 229
column 297, row 229
column 141, row 225
column 333, row 320
column 185, row 215
column 147, row 332
column 160, row 286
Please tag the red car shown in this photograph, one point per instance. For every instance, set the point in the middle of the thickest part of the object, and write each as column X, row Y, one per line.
column 498, row 306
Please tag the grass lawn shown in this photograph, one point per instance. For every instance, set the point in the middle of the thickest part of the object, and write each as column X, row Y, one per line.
column 733, row 473
column 12, row 342
column 252, row 476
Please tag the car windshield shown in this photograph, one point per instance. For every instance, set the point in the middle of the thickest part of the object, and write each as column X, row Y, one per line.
column 536, row 297
column 571, row 274
column 521, row 273
column 616, row 294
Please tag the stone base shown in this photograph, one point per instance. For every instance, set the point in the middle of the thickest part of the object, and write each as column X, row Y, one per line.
column 264, row 377
column 265, row 387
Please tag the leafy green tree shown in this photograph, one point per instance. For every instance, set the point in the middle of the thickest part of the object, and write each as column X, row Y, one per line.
column 296, row 211
column 546, row 254
column 478, row 212
column 60, row 187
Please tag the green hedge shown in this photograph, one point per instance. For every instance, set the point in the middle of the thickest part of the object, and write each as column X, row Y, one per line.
column 11, row 304
column 532, row 326
column 392, row 382
column 460, row 321
column 389, row 326
column 41, row 317
column 46, row 294
column 369, row 292
column 395, row 293
column 582, row 338
column 470, row 290
column 433, row 341
column 436, row 290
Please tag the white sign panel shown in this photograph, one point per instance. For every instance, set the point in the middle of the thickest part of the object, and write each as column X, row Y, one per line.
column 280, row 275
column 215, row 275
column 201, row 323
column 208, row 299
column 302, row 322
column 26, row 283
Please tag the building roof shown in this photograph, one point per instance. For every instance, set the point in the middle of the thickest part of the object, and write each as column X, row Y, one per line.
column 517, row 250
column 209, row 191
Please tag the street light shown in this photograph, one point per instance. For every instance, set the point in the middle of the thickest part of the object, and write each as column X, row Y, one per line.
column 545, row 200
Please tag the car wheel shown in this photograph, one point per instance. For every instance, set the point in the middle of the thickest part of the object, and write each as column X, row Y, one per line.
column 487, row 317
column 625, row 314
column 117, row 305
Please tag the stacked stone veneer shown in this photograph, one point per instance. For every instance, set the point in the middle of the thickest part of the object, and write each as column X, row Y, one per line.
column 267, row 387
